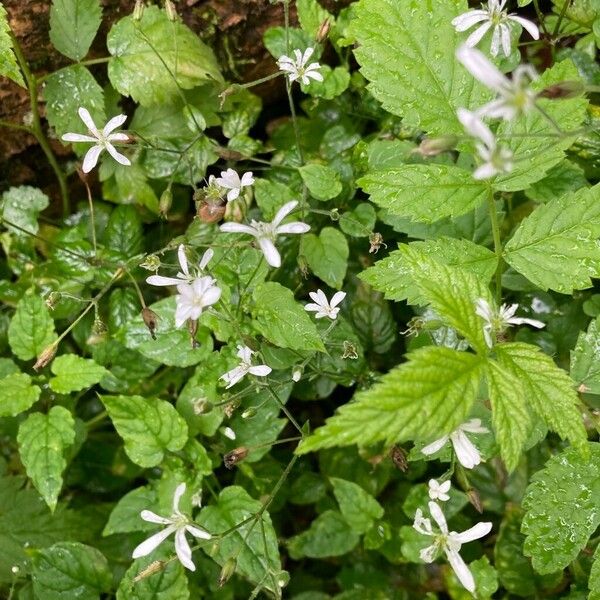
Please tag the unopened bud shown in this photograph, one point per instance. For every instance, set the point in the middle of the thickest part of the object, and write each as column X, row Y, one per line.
column 53, row 299
column 151, row 263
column 249, row 413
column 165, row 202
column 153, row 567
column 99, row 327
column 323, row 31
column 150, row 319
column 227, row 571
column 475, row 499
column 46, row 356
column 171, row 10
column 398, row 456
column 138, row 10
column 334, row 214
column 296, row 375
column 435, row 146
column 235, row 456
column 562, row 90
column 15, row 569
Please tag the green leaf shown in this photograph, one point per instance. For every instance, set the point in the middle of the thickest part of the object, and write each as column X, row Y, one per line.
column 130, row 186
column 275, row 41
column 322, row 182
column 256, row 554
column 585, row 359
column 31, row 329
column 43, row 441
column 8, row 62
column 407, row 52
column 358, row 507
column 21, row 206
column 335, row 82
column 562, row 506
column 565, row 177
column 148, row 426
column 70, row 569
column 271, row 196
column 425, row 193
column 125, row 516
column 17, row 394
column 548, row 389
column 311, row 16
column 282, row 321
column 329, row 535
column 428, row 396
column 360, row 221
column 65, row 91
column 594, row 581
column 556, row 246
column 123, row 232
column 154, row 58
column 509, row 413
column 74, row 373
column 73, row 26
column 327, row 255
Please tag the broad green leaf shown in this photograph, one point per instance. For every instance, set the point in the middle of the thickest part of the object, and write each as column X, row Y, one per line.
column 358, row 507
column 65, row 91
column 74, row 373
column 70, row 570
column 425, row 193
column 327, row 255
column 585, row 359
column 43, row 441
column 556, row 247
column 328, row 535
column 562, row 507
column 282, row 320
column 21, row 206
column 322, row 182
column 123, row 232
column 271, row 196
column 533, row 139
column 509, row 413
column 73, row 26
column 549, row 390
column 31, row 329
column 130, row 186
column 565, row 177
column 311, row 16
column 373, row 322
column 8, row 62
column 407, row 52
column 125, row 516
column 594, row 581
column 257, row 553
column 360, row 221
column 428, row 396
column 154, row 58
column 335, row 82
column 148, row 426
column 169, row 583
column 17, row 394
column 276, row 39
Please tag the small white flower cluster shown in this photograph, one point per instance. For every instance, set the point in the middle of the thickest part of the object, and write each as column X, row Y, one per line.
column 232, row 183
column 298, row 68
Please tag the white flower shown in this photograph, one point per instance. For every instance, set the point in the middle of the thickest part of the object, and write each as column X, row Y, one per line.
column 322, row 306
column 178, row 523
column 101, row 139
column 494, row 16
column 497, row 321
column 184, row 274
column 439, row 491
column 514, row 95
column 266, row 233
column 466, row 453
column 496, row 159
column 229, row 433
column 245, row 367
column 194, row 297
column 449, row 542
column 297, row 69
column 231, row 181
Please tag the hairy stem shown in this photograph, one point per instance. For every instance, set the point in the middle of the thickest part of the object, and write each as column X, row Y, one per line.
column 497, row 244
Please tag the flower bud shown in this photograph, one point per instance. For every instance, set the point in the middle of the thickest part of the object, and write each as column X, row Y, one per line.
column 249, row 413
column 475, row 499
column 151, row 263
column 153, row 567
column 45, row 356
column 562, row 90
column 227, row 571
column 99, row 327
column 165, row 202
column 323, row 31
column 435, row 146
column 235, row 456
column 398, row 456
column 296, row 375
column 150, row 319
column 334, row 214
column 138, row 10
column 171, row 10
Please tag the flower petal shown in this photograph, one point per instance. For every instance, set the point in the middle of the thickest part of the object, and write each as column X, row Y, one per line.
column 468, row 19
column 481, row 68
column 466, row 453
column 295, row 227
column 77, row 137
column 478, row 34
column 183, row 550
column 434, row 446
column 152, row 517
column 438, row 516
column 179, row 492
column 260, row 370
column 198, row 532
column 270, row 252
column 84, row 115
column 337, row 298
column 120, row 158
column 153, row 542
column 183, row 263
column 206, row 258
column 531, row 28
column 473, row 533
column 462, row 571
column 90, row 159
column 283, row 212
column 113, row 124
column 162, row 281
column 238, row 228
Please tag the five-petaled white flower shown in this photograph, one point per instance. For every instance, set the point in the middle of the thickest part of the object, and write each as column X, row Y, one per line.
column 231, row 181
column 177, row 523
column 298, row 69
column 194, row 297
column 449, row 542
column 266, row 233
column 496, row 321
column 183, row 275
column 322, row 306
column 102, row 139
column 496, row 159
column 245, row 367
column 466, row 452
column 439, row 491
column 494, row 16
column 514, row 95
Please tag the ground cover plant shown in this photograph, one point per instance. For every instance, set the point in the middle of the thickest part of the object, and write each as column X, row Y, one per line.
column 337, row 343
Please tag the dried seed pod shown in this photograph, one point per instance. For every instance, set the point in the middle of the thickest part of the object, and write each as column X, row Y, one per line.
column 562, row 90
column 227, row 571
column 150, row 319
column 234, row 457
column 45, row 356
column 398, row 456
column 435, row 146
column 211, row 212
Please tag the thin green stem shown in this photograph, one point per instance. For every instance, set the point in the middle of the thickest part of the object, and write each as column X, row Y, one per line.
column 540, row 16
column 497, row 244
column 10, row 125
column 561, row 16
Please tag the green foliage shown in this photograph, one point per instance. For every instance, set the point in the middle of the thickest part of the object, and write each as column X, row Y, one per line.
column 74, row 373
column 322, row 182
column 8, row 62
column 17, row 394
column 21, row 207
column 585, row 359
column 358, row 507
column 326, row 255
column 73, row 26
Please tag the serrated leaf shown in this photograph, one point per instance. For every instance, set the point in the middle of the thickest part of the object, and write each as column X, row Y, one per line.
column 148, row 426
column 31, row 329
column 428, row 396
column 556, row 247
column 562, row 506
column 358, row 507
column 565, row 177
column 17, row 394
column 73, row 26
column 326, row 255
column 585, row 359
column 74, row 373
column 123, row 231
column 21, row 206
column 271, row 196
column 125, row 516
column 360, row 221
column 594, row 581
column 425, row 193
column 548, row 389
column 322, row 181
column 154, row 58
column 43, row 441
column 70, row 569
column 413, row 72
column 8, row 62
column 282, row 321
